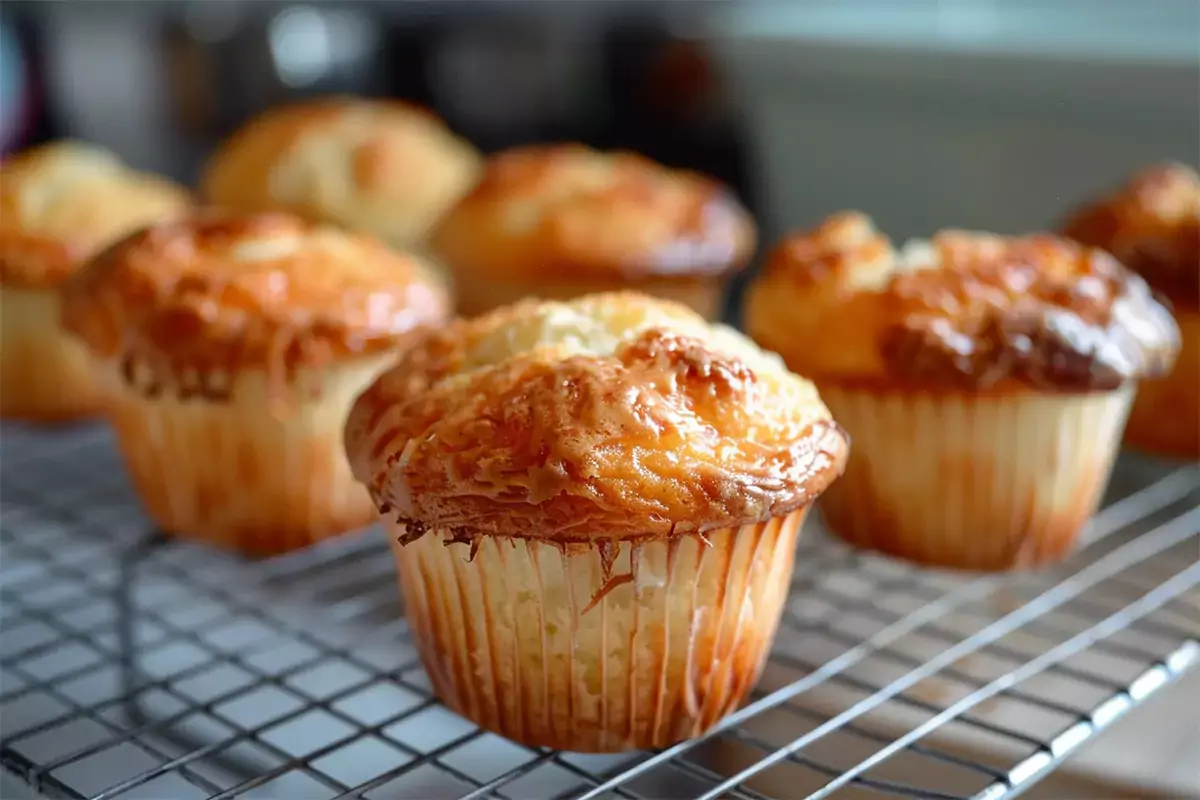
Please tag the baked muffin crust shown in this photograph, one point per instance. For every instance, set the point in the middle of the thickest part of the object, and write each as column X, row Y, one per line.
column 611, row 417
column 382, row 166
column 187, row 303
column 567, row 212
column 60, row 202
column 1151, row 225
column 962, row 310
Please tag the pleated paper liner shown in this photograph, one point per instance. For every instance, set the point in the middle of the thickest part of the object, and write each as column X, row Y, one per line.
column 45, row 375
column 972, row 481
column 595, row 648
column 246, row 472
column 1166, row 414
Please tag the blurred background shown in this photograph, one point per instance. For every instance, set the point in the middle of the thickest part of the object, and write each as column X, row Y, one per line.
column 925, row 113
column 996, row 114
column 161, row 82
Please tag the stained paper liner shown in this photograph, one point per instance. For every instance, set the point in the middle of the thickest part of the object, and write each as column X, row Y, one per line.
column 45, row 375
column 545, row 645
column 245, row 473
column 1166, row 414
column 476, row 296
column 972, row 481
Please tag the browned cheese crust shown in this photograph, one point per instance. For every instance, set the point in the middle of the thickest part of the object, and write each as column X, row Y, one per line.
column 61, row 202
column 386, row 167
column 611, row 417
column 187, row 303
column 961, row 311
column 1152, row 226
column 567, row 212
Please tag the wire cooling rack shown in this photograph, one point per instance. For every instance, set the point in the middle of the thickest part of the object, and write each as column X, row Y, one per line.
column 132, row 666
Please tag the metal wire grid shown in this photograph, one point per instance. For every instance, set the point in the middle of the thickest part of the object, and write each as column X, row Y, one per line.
column 136, row 667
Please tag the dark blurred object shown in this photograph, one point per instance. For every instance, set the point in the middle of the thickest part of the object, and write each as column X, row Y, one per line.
column 225, row 64
column 669, row 104
column 20, row 118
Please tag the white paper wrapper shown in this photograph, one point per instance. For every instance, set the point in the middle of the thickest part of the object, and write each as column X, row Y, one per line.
column 523, row 642
column 1166, row 414
column 45, row 375
column 244, row 473
column 972, row 481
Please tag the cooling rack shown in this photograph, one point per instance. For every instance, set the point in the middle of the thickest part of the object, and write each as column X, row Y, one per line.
column 133, row 666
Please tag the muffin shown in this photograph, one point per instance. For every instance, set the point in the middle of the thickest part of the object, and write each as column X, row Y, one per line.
column 383, row 167
column 1152, row 225
column 985, row 380
column 59, row 203
column 560, row 221
column 230, row 350
column 620, row 485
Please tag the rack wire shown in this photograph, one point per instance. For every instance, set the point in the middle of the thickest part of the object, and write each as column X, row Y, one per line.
column 136, row 666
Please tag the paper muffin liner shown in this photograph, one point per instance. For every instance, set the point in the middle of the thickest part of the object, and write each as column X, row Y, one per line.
column 45, row 375
column 475, row 296
column 548, row 646
column 245, row 473
column 980, row 482
column 1166, row 414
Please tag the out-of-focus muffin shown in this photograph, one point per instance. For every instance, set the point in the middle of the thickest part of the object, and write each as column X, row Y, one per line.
column 230, row 349
column 560, row 221
column 623, row 485
column 60, row 203
column 1152, row 225
column 985, row 381
column 385, row 167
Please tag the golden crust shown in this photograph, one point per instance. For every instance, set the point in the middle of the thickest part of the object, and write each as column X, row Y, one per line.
column 569, row 212
column 1152, row 225
column 386, row 167
column 613, row 416
column 61, row 202
column 196, row 300
column 963, row 310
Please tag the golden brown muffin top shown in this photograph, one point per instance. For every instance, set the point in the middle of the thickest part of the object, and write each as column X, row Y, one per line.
column 568, row 212
column 61, row 202
column 187, row 304
column 385, row 167
column 961, row 311
column 610, row 417
column 1152, row 226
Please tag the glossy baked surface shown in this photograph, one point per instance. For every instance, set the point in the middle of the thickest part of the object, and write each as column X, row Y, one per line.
column 569, row 212
column 610, row 417
column 1152, row 225
column 962, row 311
column 61, row 202
column 197, row 300
column 382, row 166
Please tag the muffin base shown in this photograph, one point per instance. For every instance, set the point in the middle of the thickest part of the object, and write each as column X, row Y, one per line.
column 237, row 474
column 523, row 642
column 1166, row 414
column 45, row 375
column 977, row 482
column 475, row 296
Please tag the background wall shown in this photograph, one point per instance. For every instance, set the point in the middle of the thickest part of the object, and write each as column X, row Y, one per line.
column 977, row 114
